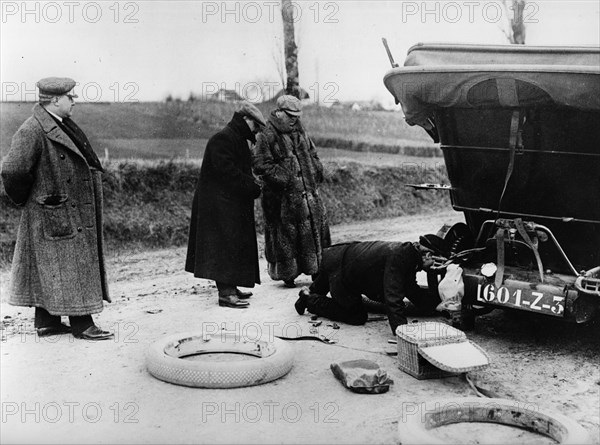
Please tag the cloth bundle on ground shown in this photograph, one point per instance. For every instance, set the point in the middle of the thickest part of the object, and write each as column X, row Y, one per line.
column 451, row 289
column 362, row 376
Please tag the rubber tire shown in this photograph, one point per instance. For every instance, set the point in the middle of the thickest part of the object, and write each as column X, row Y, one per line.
column 164, row 360
column 414, row 427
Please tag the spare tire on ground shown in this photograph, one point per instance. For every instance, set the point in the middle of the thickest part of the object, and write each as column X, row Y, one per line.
column 419, row 420
column 166, row 360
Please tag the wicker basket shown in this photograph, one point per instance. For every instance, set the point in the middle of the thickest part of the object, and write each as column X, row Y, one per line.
column 413, row 336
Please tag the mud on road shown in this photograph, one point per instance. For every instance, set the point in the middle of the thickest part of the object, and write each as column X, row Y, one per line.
column 61, row 390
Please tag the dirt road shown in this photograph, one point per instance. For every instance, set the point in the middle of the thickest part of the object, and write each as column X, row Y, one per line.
column 61, row 390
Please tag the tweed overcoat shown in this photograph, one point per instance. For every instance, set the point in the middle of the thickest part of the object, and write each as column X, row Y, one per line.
column 296, row 226
column 222, row 239
column 58, row 262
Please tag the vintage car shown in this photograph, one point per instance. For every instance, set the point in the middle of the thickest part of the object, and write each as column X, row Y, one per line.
column 519, row 128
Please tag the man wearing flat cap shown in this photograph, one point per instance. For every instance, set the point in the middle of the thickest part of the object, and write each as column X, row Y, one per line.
column 296, row 226
column 52, row 172
column 384, row 272
column 222, row 239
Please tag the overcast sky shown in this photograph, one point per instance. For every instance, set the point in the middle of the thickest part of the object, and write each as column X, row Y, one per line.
column 145, row 50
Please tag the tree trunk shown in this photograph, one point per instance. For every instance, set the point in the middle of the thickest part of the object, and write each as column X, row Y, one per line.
column 290, row 49
column 516, row 28
column 518, row 24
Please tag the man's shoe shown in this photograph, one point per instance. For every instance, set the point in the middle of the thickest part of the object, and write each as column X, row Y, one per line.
column 289, row 283
column 47, row 331
column 300, row 303
column 372, row 306
column 233, row 301
column 242, row 295
column 94, row 333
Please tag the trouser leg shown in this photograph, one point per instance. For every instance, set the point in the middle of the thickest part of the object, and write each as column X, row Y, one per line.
column 44, row 319
column 226, row 289
column 320, row 285
column 330, row 308
column 80, row 323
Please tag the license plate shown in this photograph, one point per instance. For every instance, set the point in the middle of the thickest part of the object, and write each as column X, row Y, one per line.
column 524, row 299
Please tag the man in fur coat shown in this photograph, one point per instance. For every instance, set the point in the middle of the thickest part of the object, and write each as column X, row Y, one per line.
column 384, row 272
column 296, row 227
column 52, row 172
column 222, row 240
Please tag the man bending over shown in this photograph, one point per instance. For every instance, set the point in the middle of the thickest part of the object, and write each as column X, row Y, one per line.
column 382, row 271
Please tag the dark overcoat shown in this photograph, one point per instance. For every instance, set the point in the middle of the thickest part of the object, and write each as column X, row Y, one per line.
column 383, row 271
column 296, row 225
column 222, row 241
column 58, row 262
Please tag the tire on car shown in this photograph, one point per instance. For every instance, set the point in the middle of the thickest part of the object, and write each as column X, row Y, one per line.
column 166, row 360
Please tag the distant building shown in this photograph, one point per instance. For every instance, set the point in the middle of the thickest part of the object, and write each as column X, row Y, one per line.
column 224, row 95
column 358, row 105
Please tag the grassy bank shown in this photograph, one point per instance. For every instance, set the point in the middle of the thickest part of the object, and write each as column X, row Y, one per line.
column 148, row 203
column 369, row 155
column 158, row 130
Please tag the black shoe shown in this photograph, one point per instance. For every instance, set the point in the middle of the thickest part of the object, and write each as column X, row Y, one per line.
column 47, row 331
column 242, row 295
column 300, row 303
column 289, row 283
column 94, row 333
column 233, row 301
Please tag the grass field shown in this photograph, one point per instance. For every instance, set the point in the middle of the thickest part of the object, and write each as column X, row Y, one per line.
column 151, row 148
column 154, row 153
column 189, row 149
column 152, row 130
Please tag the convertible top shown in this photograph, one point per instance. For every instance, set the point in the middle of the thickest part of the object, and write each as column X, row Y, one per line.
column 439, row 75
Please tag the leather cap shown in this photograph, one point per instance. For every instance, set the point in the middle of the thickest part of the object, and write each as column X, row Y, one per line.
column 55, row 86
column 436, row 244
column 290, row 104
column 249, row 110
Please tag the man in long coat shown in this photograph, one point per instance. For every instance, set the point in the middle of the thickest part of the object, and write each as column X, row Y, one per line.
column 384, row 272
column 296, row 226
column 52, row 172
column 222, row 240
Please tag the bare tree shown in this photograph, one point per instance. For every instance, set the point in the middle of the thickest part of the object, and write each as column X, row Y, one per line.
column 278, row 59
column 516, row 26
column 290, row 49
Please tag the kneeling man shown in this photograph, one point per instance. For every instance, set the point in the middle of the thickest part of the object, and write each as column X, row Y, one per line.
column 382, row 271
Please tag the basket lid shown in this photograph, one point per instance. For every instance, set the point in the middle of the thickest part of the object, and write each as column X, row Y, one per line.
column 429, row 331
column 456, row 357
